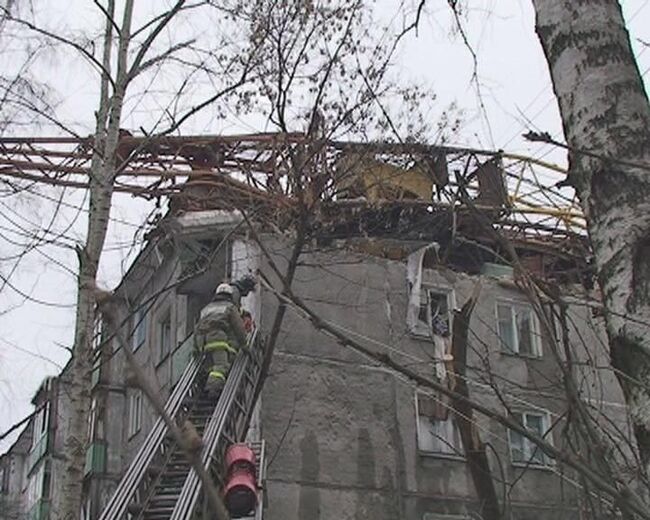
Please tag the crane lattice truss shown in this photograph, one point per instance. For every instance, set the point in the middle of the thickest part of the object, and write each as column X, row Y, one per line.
column 273, row 172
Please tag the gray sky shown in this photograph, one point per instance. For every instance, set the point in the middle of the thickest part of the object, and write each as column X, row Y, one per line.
column 516, row 90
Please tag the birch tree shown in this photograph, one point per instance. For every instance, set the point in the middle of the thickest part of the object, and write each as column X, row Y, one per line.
column 101, row 183
column 130, row 51
column 606, row 120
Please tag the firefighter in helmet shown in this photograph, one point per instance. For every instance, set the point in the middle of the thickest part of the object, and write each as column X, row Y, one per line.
column 220, row 331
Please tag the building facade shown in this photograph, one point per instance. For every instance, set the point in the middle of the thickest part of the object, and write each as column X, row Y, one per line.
column 346, row 437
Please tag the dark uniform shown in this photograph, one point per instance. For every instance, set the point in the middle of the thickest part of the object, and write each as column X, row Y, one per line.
column 220, row 331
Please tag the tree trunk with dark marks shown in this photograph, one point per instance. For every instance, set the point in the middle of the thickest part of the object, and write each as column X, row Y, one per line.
column 605, row 111
column 474, row 448
column 106, row 141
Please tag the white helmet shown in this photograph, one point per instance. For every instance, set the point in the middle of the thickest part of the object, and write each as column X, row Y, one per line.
column 224, row 288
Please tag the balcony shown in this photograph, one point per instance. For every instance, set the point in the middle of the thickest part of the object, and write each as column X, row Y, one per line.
column 95, row 458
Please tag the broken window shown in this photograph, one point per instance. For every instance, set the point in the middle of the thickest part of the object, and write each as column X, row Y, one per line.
column 433, row 313
column 518, row 328
column 437, row 431
column 524, row 451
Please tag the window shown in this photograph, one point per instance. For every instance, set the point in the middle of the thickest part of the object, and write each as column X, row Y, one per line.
column 97, row 331
column 524, row 451
column 518, row 329
column 4, row 484
column 36, row 487
column 97, row 339
column 86, row 509
column 135, row 412
column 95, row 422
column 164, row 336
column 433, row 314
column 41, row 423
column 140, row 329
column 92, row 417
column 436, row 430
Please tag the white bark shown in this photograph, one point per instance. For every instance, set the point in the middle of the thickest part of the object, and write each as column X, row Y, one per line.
column 101, row 191
column 605, row 110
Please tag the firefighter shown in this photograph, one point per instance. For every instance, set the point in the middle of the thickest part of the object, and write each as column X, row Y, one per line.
column 221, row 332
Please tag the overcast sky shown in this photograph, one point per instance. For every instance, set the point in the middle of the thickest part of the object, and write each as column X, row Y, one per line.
column 516, row 90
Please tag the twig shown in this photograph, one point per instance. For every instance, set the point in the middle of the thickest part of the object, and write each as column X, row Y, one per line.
column 545, row 137
column 13, row 428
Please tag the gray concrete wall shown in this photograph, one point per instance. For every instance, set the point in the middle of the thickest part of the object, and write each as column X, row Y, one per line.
column 341, row 431
column 13, row 484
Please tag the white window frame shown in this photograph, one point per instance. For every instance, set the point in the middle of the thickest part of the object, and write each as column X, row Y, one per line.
column 535, row 336
column 41, row 423
column 166, row 318
column 92, row 417
column 454, row 446
column 36, row 487
column 4, row 479
column 95, row 422
column 425, row 330
column 529, row 449
column 135, row 413
column 86, row 509
column 140, row 322
column 98, row 328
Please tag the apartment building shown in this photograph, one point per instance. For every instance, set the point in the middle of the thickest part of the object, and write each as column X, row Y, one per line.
column 345, row 436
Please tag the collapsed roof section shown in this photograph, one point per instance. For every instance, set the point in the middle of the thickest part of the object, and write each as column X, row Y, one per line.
column 458, row 197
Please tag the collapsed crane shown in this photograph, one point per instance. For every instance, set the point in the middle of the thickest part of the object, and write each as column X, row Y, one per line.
column 339, row 190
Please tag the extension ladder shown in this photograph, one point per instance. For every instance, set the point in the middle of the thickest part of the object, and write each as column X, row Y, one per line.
column 160, row 483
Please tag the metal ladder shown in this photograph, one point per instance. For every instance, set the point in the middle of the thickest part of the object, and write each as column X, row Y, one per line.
column 160, row 484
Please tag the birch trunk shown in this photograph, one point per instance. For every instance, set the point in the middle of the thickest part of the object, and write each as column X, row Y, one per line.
column 605, row 110
column 101, row 191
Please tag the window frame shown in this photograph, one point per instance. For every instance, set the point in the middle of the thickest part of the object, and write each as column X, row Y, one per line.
column 535, row 330
column 92, row 418
column 165, row 318
column 36, row 488
column 528, row 447
column 140, row 324
column 135, row 402
column 98, row 332
column 418, row 329
column 457, row 453
column 4, row 479
column 41, row 423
